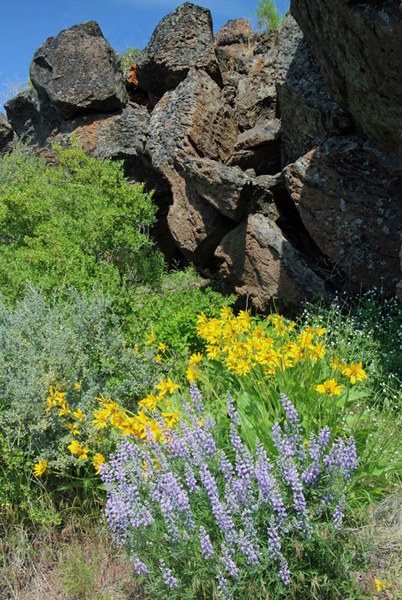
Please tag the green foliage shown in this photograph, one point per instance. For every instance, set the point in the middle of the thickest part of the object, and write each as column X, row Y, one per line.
column 268, row 15
column 75, row 346
column 77, row 225
column 128, row 57
column 170, row 314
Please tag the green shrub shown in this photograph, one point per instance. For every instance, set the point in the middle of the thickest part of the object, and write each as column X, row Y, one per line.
column 78, row 225
column 74, row 347
column 128, row 57
column 169, row 315
column 268, row 16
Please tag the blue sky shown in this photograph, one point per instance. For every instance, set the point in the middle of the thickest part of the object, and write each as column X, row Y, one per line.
column 25, row 24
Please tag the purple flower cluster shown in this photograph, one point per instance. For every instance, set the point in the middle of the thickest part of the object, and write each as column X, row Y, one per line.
column 227, row 505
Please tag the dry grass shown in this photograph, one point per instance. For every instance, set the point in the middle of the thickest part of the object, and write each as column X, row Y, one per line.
column 75, row 562
column 382, row 539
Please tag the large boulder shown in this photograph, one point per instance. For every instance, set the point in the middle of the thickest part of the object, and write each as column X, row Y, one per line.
column 358, row 46
column 260, row 264
column 308, row 114
column 349, row 201
column 182, row 40
column 79, row 72
column 32, row 119
column 234, row 44
column 190, row 122
column 7, row 136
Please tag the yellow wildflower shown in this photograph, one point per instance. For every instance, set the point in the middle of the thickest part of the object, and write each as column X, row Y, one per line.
column 118, row 419
column 149, row 401
column 97, row 461
column 162, row 347
column 379, row 585
column 77, row 386
column 101, row 417
column 150, row 338
column 73, row 427
column 158, row 358
column 355, row 372
column 195, row 359
column 64, row 410
column 243, row 321
column 39, row 468
column 171, row 418
column 329, row 387
column 317, row 351
column 76, row 448
column 320, row 331
column 212, row 351
column 242, row 367
column 226, row 313
column 167, row 387
column 78, row 414
column 191, row 373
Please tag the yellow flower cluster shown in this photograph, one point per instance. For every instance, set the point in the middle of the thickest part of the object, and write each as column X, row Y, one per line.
column 109, row 415
column 272, row 345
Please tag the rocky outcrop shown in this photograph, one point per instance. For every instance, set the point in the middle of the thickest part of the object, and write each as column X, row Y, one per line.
column 7, row 136
column 262, row 174
column 181, row 41
column 358, row 46
column 349, row 202
column 260, row 264
column 77, row 71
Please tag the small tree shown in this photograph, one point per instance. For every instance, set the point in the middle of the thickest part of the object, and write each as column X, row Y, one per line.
column 268, row 15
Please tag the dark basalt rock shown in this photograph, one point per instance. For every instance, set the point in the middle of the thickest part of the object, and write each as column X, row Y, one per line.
column 7, row 136
column 78, row 71
column 182, row 40
column 358, row 46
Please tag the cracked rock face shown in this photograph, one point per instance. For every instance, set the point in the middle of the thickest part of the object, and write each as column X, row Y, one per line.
column 261, row 151
column 358, row 46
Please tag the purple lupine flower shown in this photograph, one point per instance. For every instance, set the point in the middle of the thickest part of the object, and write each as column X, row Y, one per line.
column 190, row 479
column 139, row 567
column 339, row 514
column 284, row 572
column 291, row 477
column 267, row 483
column 168, row 577
column 223, row 519
column 226, row 466
column 223, row 585
column 342, row 458
column 232, row 412
column 231, row 568
column 287, row 445
column 206, row 545
column 249, row 549
column 197, row 399
column 291, row 412
column 274, row 541
column 311, row 474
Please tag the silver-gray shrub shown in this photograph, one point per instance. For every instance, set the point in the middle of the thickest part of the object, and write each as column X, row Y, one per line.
column 64, row 342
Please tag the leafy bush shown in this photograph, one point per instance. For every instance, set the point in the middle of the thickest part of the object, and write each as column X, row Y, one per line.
column 202, row 516
column 169, row 315
column 129, row 57
column 78, row 225
column 51, row 350
column 268, row 16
